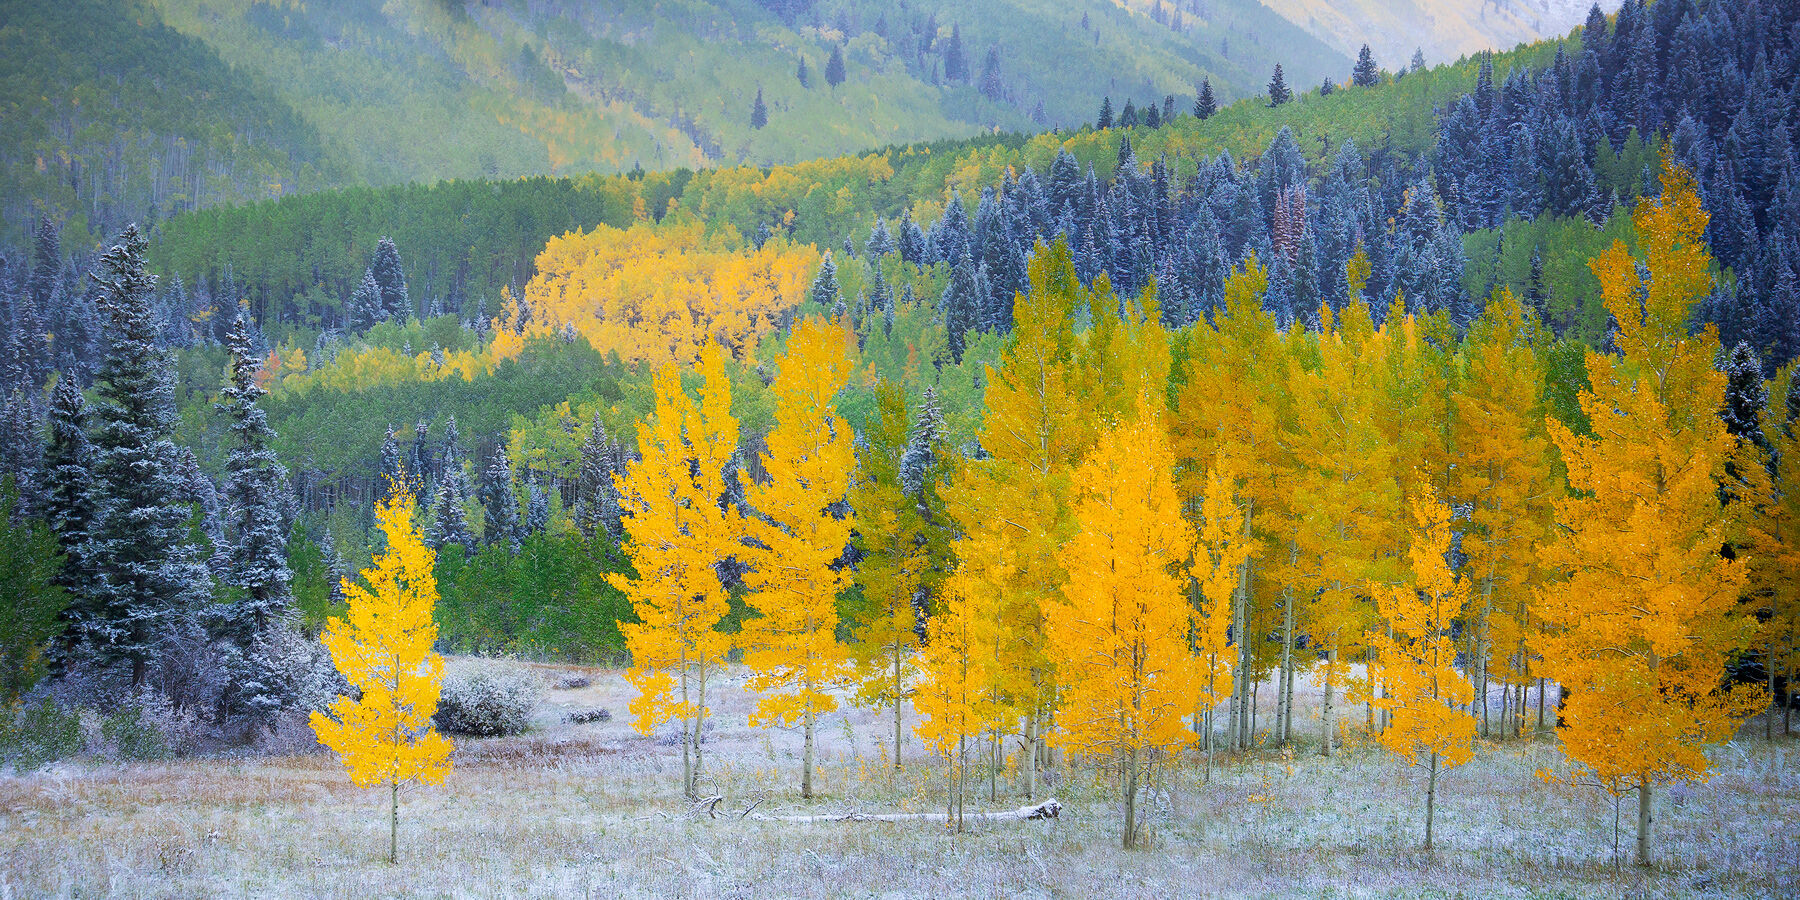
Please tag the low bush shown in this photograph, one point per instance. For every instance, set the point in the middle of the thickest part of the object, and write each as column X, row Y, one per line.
column 584, row 716
column 33, row 735
column 487, row 703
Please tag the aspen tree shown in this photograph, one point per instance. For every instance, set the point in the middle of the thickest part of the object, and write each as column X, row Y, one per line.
column 1221, row 552
column 382, row 646
column 1778, row 640
column 1121, row 630
column 1504, row 476
column 791, row 644
column 1647, row 618
column 956, row 699
column 676, row 534
column 1421, row 688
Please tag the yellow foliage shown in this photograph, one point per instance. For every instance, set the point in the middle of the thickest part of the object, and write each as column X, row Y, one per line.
column 676, row 534
column 1421, row 687
column 657, row 293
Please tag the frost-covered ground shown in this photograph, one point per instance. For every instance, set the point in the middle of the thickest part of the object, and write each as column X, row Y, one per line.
column 592, row 810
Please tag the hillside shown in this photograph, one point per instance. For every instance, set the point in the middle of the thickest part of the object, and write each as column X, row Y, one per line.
column 1442, row 29
column 317, row 94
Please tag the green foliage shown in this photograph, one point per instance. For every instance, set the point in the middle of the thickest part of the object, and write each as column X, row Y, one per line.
column 550, row 600
column 133, row 734
column 1572, row 294
column 30, row 601
column 36, row 734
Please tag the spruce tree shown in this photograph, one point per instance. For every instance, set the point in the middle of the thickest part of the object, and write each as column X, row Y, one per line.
column 1279, row 92
column 1365, row 74
column 148, row 571
column 451, row 523
column 500, row 522
column 803, row 75
column 393, row 468
column 880, row 243
column 959, row 302
column 759, row 113
column 834, row 67
column 824, row 290
column 1745, row 397
column 992, row 84
column 1205, row 105
column 365, row 310
column 1128, row 117
column 597, row 496
column 537, row 512
column 956, row 62
column 67, row 475
column 256, row 528
column 1105, row 119
column 21, row 447
column 390, row 280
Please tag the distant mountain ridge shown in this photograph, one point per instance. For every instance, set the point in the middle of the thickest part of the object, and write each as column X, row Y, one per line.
column 1443, row 29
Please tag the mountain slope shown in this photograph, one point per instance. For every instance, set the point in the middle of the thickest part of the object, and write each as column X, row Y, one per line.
column 1442, row 29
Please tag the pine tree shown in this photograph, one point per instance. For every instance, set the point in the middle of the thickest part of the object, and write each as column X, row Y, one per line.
column 148, row 571
column 1279, row 92
column 801, row 73
column 992, row 84
column 1205, row 105
column 759, row 112
column 961, row 297
column 365, row 309
column 256, row 527
column 791, row 645
column 1128, row 117
column 390, row 281
column 1427, row 698
column 500, row 506
column 382, row 645
column 1647, row 618
column 537, row 509
column 451, row 522
column 1105, row 119
column 834, row 67
column 1365, row 74
column 69, row 508
column 597, row 496
column 678, row 533
column 956, row 61
column 824, row 290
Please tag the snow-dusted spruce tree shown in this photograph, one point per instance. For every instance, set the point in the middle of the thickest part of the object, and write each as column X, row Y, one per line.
column 68, row 470
column 148, row 571
column 500, row 524
column 256, row 535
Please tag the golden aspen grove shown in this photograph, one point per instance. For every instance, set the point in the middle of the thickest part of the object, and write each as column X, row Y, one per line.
column 832, row 448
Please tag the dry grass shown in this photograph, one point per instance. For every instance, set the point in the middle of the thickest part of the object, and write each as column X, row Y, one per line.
column 591, row 810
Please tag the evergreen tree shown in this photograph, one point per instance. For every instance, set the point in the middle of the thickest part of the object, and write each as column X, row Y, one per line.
column 834, row 67
column 148, row 570
column 46, row 264
column 1418, row 60
column 451, row 523
column 824, row 290
column 802, row 74
column 500, row 522
column 759, row 113
column 1105, row 119
column 881, row 243
column 1326, row 87
column 68, row 471
column 21, row 447
column 1128, row 117
column 393, row 469
column 992, row 85
column 256, row 528
column 597, row 495
column 1279, row 92
column 958, row 305
column 1745, row 397
column 537, row 512
column 956, row 62
column 1365, row 74
column 365, row 304
column 390, row 281
column 1205, row 105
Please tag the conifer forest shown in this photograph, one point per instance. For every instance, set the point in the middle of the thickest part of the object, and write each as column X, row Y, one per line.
column 833, row 448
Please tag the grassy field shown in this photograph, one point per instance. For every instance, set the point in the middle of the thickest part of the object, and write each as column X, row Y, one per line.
column 593, row 811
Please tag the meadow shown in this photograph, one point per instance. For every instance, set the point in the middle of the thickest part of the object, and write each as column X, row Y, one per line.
column 594, row 810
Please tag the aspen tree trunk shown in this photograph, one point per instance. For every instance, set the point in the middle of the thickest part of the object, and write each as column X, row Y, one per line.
column 1240, row 688
column 897, row 731
column 1431, row 800
column 1284, row 700
column 1255, row 707
column 994, row 765
column 1031, row 751
column 1369, row 707
column 394, row 824
column 1325, row 714
column 1769, row 721
column 1643, row 830
column 1131, row 785
column 1209, row 745
column 806, row 770
column 1540, row 725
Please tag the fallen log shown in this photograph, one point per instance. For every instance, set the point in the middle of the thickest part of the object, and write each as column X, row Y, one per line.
column 1049, row 809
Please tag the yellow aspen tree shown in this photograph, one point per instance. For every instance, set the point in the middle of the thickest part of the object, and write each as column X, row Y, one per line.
column 676, row 534
column 791, row 645
column 382, row 646
column 890, row 534
column 1012, row 505
column 1121, row 630
column 1778, row 640
column 1427, row 698
column 1646, row 617
column 1228, row 419
column 956, row 699
column 1505, row 477
column 1342, row 496
column 1221, row 551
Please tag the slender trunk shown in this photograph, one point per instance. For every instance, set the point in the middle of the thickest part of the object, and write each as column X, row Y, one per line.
column 1031, row 752
column 1209, row 746
column 1643, row 830
column 1131, row 785
column 1540, row 724
column 1255, row 707
column 994, row 765
column 1325, row 713
column 1769, row 721
column 394, row 823
column 1431, row 800
column 1284, row 712
column 806, row 771
column 897, row 688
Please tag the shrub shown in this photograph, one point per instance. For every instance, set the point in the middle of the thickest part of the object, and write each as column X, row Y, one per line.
column 572, row 682
column 584, row 716
column 489, row 702
column 36, row 734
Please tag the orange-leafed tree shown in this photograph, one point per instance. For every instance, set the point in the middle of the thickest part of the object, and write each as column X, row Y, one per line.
column 957, row 698
column 1121, row 631
column 1222, row 551
column 791, row 645
column 382, row 645
column 676, row 534
column 1646, row 617
column 1422, row 691
column 1505, row 476
column 1778, row 640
